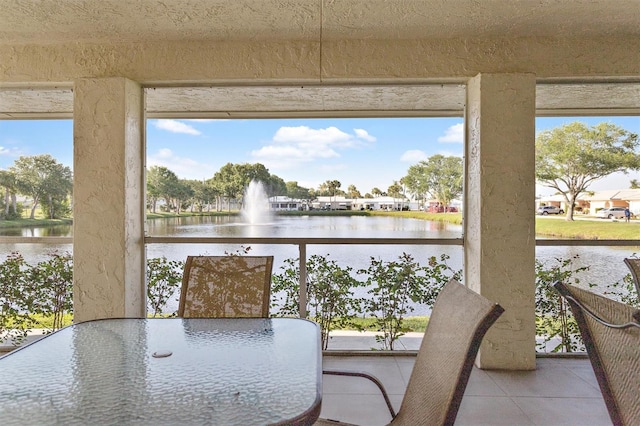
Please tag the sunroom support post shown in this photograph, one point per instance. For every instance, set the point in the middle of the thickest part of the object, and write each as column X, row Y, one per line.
column 499, row 232
column 108, row 199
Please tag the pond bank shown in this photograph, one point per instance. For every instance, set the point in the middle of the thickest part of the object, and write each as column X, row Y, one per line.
column 554, row 227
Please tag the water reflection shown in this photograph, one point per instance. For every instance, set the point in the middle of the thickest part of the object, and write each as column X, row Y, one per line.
column 45, row 231
column 306, row 227
column 605, row 263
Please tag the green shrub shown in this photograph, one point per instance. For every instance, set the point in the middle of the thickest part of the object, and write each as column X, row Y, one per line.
column 393, row 285
column 163, row 280
column 16, row 299
column 51, row 283
column 554, row 318
column 330, row 296
column 41, row 296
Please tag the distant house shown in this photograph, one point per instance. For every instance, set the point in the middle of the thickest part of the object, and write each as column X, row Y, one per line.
column 597, row 200
column 435, row 206
column 283, row 203
column 615, row 198
column 377, row 203
column 556, row 200
column 381, row 203
column 332, row 203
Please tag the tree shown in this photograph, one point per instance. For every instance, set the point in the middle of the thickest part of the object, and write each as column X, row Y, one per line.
column 199, row 195
column 153, row 192
column 8, row 182
column 297, row 192
column 182, row 193
column 395, row 190
column 416, row 182
column 214, row 189
column 231, row 181
column 330, row 188
column 161, row 183
column 376, row 192
column 41, row 177
column 202, row 196
column 439, row 177
column 572, row 157
column 275, row 185
column 352, row 192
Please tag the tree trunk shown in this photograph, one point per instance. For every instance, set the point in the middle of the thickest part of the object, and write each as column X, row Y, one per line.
column 571, row 201
column 33, row 209
column 51, row 207
column 6, row 202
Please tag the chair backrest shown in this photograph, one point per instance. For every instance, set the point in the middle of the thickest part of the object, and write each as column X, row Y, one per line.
column 634, row 266
column 226, row 286
column 611, row 334
column 458, row 322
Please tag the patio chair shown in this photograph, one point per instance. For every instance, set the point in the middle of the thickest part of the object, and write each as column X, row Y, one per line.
column 634, row 265
column 226, row 286
column 611, row 334
column 459, row 320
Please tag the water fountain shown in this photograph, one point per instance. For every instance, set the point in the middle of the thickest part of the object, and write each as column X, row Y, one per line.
column 255, row 204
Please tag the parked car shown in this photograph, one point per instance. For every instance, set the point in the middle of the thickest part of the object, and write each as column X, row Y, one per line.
column 611, row 213
column 545, row 210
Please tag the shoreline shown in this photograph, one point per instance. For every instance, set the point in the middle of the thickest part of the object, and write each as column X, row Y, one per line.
column 581, row 228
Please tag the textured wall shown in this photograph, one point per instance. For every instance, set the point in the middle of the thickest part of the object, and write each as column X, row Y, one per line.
column 312, row 61
column 108, row 200
column 499, row 212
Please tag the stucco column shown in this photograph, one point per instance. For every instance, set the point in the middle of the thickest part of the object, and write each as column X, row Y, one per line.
column 108, row 199
column 499, row 212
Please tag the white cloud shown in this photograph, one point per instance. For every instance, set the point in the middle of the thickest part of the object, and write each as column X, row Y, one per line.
column 454, row 134
column 305, row 135
column 414, row 156
column 185, row 168
column 293, row 146
column 9, row 152
column 363, row 134
column 175, row 126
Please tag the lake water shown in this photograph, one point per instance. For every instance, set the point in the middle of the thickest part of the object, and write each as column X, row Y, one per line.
column 606, row 263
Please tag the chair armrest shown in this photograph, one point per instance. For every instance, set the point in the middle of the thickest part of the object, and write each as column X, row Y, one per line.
column 370, row 377
column 635, row 315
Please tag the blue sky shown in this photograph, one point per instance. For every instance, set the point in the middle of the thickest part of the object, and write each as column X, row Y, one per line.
column 365, row 152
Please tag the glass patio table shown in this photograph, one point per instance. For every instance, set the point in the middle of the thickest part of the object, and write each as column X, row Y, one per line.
column 166, row 371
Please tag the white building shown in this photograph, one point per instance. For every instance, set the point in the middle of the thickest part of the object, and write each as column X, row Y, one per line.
column 283, row 203
column 381, row 203
column 332, row 203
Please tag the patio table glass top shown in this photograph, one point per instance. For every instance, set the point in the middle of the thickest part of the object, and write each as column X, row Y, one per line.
column 166, row 371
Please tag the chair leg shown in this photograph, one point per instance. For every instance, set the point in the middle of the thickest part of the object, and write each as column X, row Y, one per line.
column 374, row 379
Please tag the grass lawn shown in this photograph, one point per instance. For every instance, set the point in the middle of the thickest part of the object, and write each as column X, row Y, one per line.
column 417, row 323
column 27, row 223
column 603, row 229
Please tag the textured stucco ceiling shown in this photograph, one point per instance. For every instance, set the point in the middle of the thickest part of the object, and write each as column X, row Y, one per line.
column 25, row 22
column 46, row 21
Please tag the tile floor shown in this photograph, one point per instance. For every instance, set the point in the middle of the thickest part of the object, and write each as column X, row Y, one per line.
column 558, row 392
column 561, row 391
